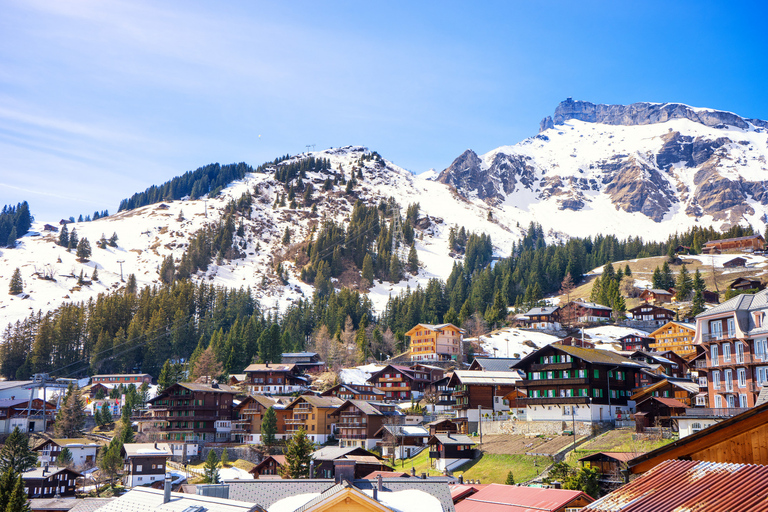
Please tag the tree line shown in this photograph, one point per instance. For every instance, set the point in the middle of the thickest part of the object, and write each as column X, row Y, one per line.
column 15, row 222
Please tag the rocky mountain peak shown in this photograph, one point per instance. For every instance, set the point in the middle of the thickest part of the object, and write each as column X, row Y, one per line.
column 643, row 113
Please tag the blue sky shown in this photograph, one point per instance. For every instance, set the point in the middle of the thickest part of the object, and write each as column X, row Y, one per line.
column 99, row 99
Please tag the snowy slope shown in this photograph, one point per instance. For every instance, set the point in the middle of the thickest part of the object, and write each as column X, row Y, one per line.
column 148, row 234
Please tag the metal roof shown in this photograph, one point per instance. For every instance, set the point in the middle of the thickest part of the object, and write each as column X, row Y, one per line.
column 592, row 355
column 144, row 499
column 508, row 498
column 620, row 456
column 682, row 485
column 452, row 439
column 542, row 311
column 486, row 378
column 496, row 364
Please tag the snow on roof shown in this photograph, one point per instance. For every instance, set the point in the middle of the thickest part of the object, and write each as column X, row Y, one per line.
column 408, row 500
column 360, row 374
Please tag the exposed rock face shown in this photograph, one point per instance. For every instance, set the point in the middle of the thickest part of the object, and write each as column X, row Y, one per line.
column 635, row 187
column 643, row 113
column 468, row 174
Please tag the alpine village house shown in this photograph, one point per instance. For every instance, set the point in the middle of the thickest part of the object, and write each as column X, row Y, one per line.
column 563, row 380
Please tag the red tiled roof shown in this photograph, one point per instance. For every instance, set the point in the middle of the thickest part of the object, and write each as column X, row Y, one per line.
column 512, row 498
column 670, row 402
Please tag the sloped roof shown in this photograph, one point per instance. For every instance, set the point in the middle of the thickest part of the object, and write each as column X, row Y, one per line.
column 509, row 498
column 147, row 449
column 451, row 439
column 323, row 402
column 548, row 310
column 620, row 456
column 691, row 485
column 337, row 452
column 496, row 364
column 403, row 431
column 194, row 386
column 656, row 291
column 590, row 305
column 271, row 367
column 591, row 355
column 144, row 499
column 476, row 377
column 668, row 402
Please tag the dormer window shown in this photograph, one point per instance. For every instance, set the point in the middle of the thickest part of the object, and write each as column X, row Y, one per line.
column 758, row 317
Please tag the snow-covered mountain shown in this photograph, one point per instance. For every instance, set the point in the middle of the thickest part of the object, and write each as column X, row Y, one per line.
column 644, row 169
column 148, row 234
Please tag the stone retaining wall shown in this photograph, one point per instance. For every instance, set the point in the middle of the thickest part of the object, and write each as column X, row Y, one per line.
column 549, row 428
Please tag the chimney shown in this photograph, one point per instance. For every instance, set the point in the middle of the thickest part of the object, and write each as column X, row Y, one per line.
column 167, row 488
column 379, row 483
column 344, row 469
column 461, row 479
column 312, row 468
column 413, row 471
column 423, row 476
column 556, row 485
column 376, row 493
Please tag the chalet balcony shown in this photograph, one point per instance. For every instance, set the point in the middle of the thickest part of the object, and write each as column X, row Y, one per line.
column 353, row 424
column 736, row 360
column 700, row 364
column 554, row 382
column 722, row 336
column 352, row 414
column 295, row 421
column 390, row 379
column 401, row 387
column 552, row 366
column 344, row 435
column 560, row 400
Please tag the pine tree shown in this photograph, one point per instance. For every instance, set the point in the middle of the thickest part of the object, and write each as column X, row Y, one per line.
column 698, row 295
column 113, row 240
column 367, row 273
column 657, row 279
column 627, row 270
column 18, row 501
column 95, row 275
column 106, row 416
column 12, row 238
column 666, row 274
column 17, row 285
column 83, row 249
column 224, row 458
column 286, row 236
column 269, row 427
column 64, row 236
column 110, row 461
column 510, row 479
column 395, row 269
column 73, row 240
column 97, row 418
column 16, row 455
column 64, row 458
column 71, row 417
column 413, row 260
column 298, row 455
column 7, row 483
column 211, row 469
column 684, row 284
column 164, row 381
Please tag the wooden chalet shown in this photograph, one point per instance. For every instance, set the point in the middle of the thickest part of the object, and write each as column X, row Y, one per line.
column 743, row 243
column 651, row 314
column 247, row 416
column 444, row 426
column 475, row 391
column 735, row 262
column 400, row 382
column 632, row 342
column 439, row 395
column 450, row 450
column 272, row 466
column 188, row 411
column 675, row 336
column 355, row 392
column 92, row 390
column 359, row 420
column 662, row 364
column 543, row 318
column 358, row 461
column 314, row 414
column 657, row 296
column 609, row 464
column 655, row 411
column 145, row 462
column 711, row 297
column 585, row 313
column 561, row 381
column 306, row 361
column 440, row 342
column 278, row 379
column 741, row 439
column 47, row 482
column 745, row 283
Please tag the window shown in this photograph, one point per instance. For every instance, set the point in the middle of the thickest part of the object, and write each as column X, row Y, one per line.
column 760, row 349
column 761, row 374
column 716, row 328
column 582, row 374
column 138, row 468
column 718, row 402
column 731, row 328
column 596, row 373
column 743, row 401
column 726, row 352
column 713, row 354
column 716, row 379
column 739, row 352
column 741, row 375
column 728, row 378
column 731, row 402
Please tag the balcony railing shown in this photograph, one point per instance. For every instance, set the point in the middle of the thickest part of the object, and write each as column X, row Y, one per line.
column 738, row 360
column 556, row 400
column 353, row 424
column 551, row 366
column 295, row 421
column 710, row 411
column 720, row 336
column 554, row 382
column 344, row 435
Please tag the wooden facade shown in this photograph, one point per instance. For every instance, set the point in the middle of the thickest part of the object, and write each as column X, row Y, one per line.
column 632, row 342
column 585, row 313
column 359, row 420
column 651, row 314
column 314, row 414
column 435, row 342
column 354, row 392
column 247, row 416
column 675, row 336
column 400, row 382
column 189, row 411
column 279, row 379
column 272, row 465
column 748, row 243
column 123, row 378
column 145, row 462
column 47, row 482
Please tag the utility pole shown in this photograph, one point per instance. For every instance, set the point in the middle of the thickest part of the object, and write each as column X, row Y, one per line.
column 121, row 270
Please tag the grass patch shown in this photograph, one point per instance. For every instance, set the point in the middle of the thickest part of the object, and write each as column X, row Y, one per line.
column 490, row 468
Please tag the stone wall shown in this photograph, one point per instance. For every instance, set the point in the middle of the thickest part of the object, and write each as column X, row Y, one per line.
column 549, row 428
